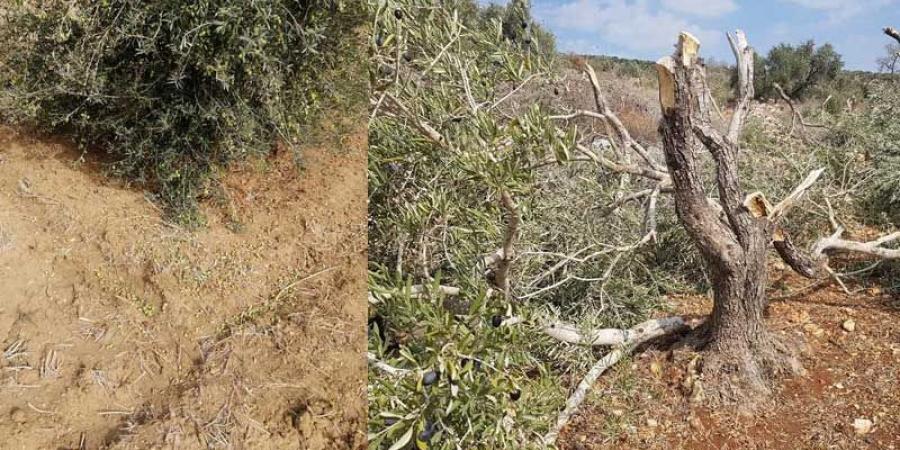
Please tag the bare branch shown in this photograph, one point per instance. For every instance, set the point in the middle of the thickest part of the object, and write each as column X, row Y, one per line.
column 874, row 248
column 743, row 55
column 579, row 113
column 815, row 264
column 432, row 134
column 795, row 113
column 607, row 336
column 501, row 274
column 784, row 205
column 646, row 172
column 613, row 120
column 636, row 336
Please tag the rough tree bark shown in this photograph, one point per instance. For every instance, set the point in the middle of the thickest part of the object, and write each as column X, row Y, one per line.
column 735, row 337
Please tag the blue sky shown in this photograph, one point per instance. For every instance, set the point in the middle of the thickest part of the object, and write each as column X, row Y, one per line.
column 647, row 29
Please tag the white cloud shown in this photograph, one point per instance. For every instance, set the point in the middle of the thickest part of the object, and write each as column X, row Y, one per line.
column 702, row 8
column 838, row 10
column 630, row 25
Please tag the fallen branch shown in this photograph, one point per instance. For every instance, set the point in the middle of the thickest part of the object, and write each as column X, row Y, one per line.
column 637, row 336
column 418, row 291
column 385, row 367
column 608, row 336
column 874, row 248
column 815, row 264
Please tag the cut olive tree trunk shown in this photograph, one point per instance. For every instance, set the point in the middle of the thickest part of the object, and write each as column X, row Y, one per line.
column 734, row 250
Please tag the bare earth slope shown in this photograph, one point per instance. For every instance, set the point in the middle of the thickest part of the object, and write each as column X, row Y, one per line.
column 121, row 331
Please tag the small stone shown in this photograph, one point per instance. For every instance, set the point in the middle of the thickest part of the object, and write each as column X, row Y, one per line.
column 849, row 325
column 18, row 416
column 862, row 426
column 618, row 412
column 839, row 385
column 652, row 423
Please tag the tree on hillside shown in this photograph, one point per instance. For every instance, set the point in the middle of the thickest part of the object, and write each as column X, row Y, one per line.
column 797, row 69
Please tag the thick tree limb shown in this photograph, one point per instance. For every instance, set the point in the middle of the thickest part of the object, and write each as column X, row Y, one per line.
column 636, row 336
column 743, row 55
column 608, row 336
column 892, row 32
column 677, row 77
column 798, row 260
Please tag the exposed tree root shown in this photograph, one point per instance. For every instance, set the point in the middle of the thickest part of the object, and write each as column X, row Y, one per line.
column 735, row 372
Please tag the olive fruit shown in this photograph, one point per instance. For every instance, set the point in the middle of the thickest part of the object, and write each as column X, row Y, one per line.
column 428, row 432
column 390, row 421
column 496, row 321
column 515, row 394
column 398, row 14
column 430, row 378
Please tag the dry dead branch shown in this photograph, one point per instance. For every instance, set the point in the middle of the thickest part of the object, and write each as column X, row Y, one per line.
column 796, row 116
column 631, row 339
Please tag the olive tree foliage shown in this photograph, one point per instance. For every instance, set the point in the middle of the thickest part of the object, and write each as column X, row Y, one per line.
column 798, row 69
column 875, row 131
column 171, row 89
column 492, row 213
column 458, row 214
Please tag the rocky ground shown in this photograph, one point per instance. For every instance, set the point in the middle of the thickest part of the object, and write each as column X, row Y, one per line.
column 849, row 397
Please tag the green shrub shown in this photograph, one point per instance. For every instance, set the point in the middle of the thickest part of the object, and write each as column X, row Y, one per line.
column 797, row 69
column 881, row 126
column 171, row 88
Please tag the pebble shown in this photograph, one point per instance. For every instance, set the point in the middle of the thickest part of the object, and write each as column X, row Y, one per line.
column 849, row 325
column 862, row 426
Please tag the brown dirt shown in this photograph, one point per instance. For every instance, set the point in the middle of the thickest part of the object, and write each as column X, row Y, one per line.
column 122, row 331
column 646, row 403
